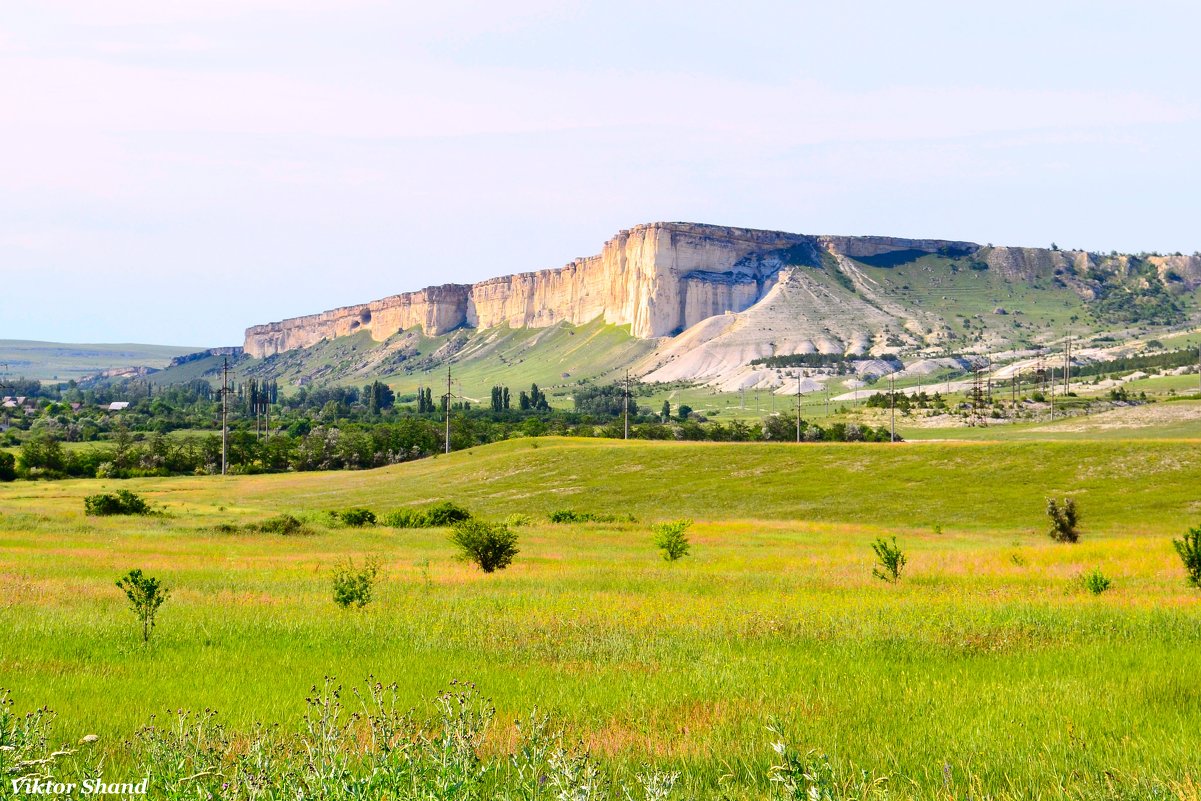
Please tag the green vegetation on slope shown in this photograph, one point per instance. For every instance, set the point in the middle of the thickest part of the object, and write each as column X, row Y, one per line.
column 967, row 299
column 557, row 358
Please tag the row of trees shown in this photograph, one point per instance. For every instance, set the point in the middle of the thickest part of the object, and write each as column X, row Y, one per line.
column 357, row 445
column 533, row 401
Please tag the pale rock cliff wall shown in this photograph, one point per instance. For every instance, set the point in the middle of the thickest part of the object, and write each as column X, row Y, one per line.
column 654, row 278
column 662, row 278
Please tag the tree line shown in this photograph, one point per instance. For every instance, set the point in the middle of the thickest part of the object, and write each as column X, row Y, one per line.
column 175, row 431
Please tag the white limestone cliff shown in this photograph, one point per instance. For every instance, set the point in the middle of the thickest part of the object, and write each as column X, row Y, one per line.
column 657, row 278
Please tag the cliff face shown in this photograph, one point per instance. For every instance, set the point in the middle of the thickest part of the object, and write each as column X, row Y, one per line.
column 662, row 278
column 657, row 278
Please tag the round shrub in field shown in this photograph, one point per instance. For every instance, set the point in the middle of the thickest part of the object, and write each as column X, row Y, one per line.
column 404, row 518
column 357, row 517
column 284, row 524
column 445, row 513
column 123, row 503
column 492, row 546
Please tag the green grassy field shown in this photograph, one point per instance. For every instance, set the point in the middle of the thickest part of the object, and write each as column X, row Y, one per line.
column 987, row 666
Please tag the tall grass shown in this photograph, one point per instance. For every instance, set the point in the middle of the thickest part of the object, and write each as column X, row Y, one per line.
column 987, row 669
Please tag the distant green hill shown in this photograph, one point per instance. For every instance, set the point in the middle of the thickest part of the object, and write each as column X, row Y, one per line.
column 60, row 360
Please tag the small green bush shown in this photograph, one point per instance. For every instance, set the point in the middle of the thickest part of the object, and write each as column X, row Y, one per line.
column 672, row 539
column 284, row 524
column 355, row 586
column 1064, row 518
column 891, row 560
column 8, row 466
column 572, row 516
column 145, row 596
column 443, row 513
column 357, row 517
column 404, row 518
column 1189, row 548
column 492, row 546
column 446, row 513
column 123, row 503
column 517, row 520
column 1095, row 582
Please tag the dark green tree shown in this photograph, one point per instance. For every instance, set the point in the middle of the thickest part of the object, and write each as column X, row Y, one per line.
column 379, row 396
column 44, row 452
column 8, row 469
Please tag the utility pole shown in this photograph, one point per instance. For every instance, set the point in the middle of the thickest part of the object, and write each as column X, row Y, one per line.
column 1067, row 367
column 798, row 407
column 892, row 409
column 224, row 414
column 625, row 405
column 266, row 426
column 1052, row 385
column 448, row 407
column 827, row 398
column 988, row 378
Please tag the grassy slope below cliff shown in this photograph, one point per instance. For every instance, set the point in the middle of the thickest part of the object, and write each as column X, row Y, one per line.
column 556, row 358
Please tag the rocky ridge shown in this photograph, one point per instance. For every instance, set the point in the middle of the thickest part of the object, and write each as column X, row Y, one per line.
column 659, row 279
column 715, row 298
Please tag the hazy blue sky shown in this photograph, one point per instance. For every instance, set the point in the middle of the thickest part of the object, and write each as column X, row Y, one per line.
column 172, row 172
